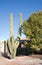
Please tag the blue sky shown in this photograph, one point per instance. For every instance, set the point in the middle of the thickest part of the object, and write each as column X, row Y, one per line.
column 27, row 7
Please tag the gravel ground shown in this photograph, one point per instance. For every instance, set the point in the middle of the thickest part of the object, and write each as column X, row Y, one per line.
column 23, row 60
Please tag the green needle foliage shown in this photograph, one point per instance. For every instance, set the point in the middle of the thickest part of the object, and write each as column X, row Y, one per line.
column 32, row 28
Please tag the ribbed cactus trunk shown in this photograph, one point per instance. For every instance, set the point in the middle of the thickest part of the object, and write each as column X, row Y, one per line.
column 11, row 25
column 12, row 35
column 10, row 42
column 13, row 44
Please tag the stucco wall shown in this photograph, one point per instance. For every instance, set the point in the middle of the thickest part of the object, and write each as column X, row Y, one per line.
column 2, row 46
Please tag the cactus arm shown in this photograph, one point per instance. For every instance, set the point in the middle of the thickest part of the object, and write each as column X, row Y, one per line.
column 20, row 27
column 19, row 32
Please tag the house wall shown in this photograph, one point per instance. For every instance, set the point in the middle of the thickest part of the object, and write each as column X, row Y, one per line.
column 2, row 46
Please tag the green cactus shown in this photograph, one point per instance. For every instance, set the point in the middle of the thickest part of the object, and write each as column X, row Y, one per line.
column 20, row 26
column 12, row 44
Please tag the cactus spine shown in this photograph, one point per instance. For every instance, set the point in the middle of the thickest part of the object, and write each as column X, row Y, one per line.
column 12, row 44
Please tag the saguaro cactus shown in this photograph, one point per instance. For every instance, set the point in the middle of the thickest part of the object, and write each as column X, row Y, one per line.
column 12, row 44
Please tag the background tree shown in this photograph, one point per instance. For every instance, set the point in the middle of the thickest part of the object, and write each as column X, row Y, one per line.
column 32, row 28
